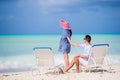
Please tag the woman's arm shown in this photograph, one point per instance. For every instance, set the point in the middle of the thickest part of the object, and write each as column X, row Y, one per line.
column 69, row 40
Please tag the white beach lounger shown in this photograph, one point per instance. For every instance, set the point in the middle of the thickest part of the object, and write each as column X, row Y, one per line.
column 45, row 60
column 97, row 56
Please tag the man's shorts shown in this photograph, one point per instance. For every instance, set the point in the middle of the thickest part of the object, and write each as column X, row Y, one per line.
column 83, row 61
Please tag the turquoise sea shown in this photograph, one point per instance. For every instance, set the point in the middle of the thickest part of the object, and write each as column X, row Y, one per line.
column 16, row 51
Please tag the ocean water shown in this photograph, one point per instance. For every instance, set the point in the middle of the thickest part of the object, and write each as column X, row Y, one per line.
column 16, row 51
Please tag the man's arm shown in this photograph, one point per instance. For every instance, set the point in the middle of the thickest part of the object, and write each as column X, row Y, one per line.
column 71, row 43
column 75, row 44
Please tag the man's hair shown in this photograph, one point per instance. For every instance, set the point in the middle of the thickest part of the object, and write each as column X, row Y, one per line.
column 88, row 38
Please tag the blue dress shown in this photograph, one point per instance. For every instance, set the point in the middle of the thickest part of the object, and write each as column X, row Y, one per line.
column 65, row 46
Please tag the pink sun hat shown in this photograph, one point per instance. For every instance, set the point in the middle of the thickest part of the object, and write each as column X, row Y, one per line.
column 64, row 24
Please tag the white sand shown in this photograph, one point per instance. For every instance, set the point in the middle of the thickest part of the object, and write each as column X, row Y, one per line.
column 114, row 74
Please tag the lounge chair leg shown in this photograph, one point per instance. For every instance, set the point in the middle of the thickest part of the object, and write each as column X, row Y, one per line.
column 102, row 70
column 89, row 70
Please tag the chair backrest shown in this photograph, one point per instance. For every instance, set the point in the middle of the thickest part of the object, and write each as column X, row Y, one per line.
column 98, row 53
column 44, row 56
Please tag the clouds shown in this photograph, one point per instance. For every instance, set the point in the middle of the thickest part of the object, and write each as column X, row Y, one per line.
column 68, row 6
column 53, row 6
column 73, row 6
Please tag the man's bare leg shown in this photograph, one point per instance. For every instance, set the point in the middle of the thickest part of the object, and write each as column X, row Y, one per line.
column 76, row 60
column 70, row 66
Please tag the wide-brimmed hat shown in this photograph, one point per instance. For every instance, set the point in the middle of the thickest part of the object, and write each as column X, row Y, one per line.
column 64, row 24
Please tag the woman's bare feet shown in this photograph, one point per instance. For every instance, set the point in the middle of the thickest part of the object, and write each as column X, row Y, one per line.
column 65, row 70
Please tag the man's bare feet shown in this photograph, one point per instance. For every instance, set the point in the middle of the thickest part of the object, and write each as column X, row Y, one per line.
column 77, row 71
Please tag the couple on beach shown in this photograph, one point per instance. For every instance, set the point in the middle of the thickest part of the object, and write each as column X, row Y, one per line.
column 65, row 47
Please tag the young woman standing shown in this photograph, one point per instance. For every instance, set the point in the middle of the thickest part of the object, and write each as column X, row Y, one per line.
column 65, row 41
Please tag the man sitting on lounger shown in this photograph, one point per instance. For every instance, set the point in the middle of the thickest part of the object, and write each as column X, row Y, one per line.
column 81, row 58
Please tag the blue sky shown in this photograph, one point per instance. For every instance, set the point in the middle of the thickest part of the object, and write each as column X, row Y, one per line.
column 42, row 16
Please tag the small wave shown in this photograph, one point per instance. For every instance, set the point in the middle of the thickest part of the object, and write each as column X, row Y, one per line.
column 112, row 59
column 13, row 66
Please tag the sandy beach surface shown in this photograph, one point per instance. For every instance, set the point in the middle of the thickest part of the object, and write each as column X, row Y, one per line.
column 113, row 74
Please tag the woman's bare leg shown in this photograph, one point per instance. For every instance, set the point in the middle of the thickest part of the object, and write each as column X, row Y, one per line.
column 66, row 59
